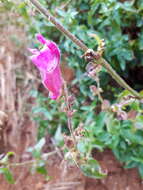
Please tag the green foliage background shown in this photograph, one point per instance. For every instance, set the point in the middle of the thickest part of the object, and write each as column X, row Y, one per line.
column 121, row 25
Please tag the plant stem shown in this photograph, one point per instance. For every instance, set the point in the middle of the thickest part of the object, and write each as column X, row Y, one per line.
column 118, row 79
column 59, row 26
column 69, row 110
column 79, row 43
column 30, row 161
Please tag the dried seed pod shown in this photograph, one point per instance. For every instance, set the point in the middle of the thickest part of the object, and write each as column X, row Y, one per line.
column 79, row 131
column 91, row 55
column 68, row 141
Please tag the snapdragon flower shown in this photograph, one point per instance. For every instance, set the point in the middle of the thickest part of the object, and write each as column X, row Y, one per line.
column 47, row 60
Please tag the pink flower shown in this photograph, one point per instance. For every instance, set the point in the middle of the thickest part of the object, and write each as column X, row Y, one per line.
column 47, row 60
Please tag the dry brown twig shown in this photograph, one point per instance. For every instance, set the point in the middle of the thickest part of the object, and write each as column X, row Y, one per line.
column 69, row 112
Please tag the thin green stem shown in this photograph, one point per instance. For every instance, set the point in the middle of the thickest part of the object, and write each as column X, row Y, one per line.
column 30, row 161
column 118, row 79
column 80, row 44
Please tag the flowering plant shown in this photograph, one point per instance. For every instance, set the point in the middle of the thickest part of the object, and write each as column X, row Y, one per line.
column 47, row 60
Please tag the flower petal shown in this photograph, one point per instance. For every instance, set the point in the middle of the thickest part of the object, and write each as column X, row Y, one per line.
column 53, row 82
column 54, row 49
column 47, row 60
column 41, row 39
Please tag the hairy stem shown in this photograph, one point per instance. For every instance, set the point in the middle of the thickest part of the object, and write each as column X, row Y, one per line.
column 80, row 44
column 69, row 110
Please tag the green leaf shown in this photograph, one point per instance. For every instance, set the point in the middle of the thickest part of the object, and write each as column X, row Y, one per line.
column 124, row 93
column 36, row 150
column 44, row 111
column 96, row 143
column 92, row 169
column 58, row 136
column 132, row 137
column 136, row 159
column 42, row 170
column 100, row 122
column 40, row 144
column 4, row 160
column 8, row 175
column 141, row 92
column 130, row 164
column 112, row 125
column 83, row 146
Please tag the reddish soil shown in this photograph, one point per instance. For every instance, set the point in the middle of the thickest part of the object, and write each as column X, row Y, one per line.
column 64, row 178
